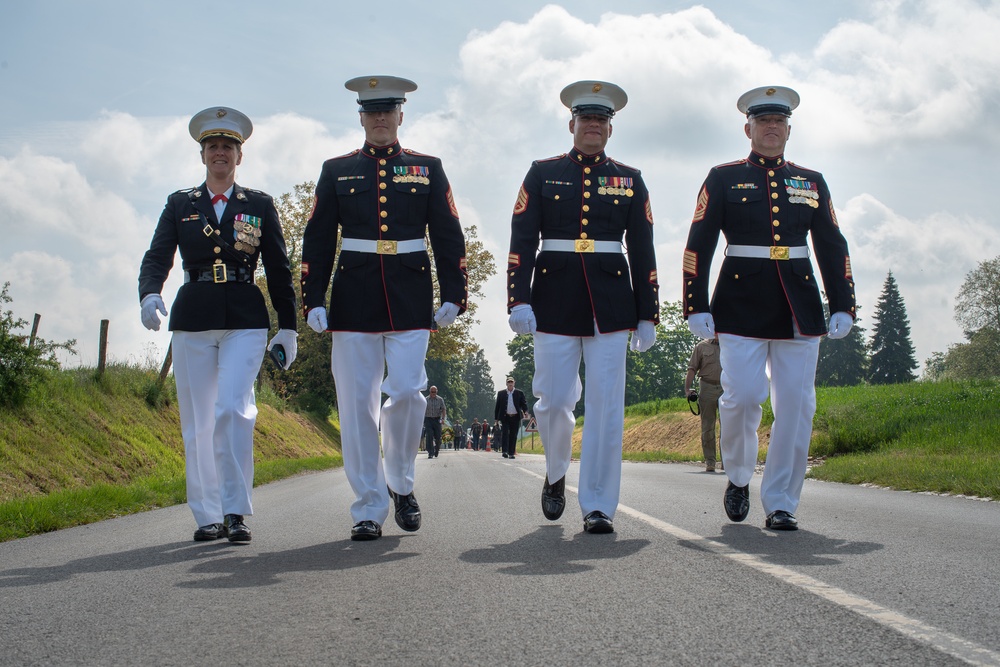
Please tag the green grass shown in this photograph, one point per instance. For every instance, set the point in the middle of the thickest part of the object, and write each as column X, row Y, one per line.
column 940, row 437
column 925, row 436
column 88, row 448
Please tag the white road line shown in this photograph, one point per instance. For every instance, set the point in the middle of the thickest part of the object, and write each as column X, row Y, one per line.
column 938, row 639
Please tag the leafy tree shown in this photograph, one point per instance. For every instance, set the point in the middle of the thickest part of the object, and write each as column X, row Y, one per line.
column 522, row 351
column 977, row 359
column 842, row 362
column 457, row 340
column 978, row 302
column 892, row 354
column 309, row 381
column 478, row 380
column 659, row 372
column 22, row 364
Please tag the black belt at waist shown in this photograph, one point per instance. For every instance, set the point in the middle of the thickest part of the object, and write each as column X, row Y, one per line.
column 218, row 273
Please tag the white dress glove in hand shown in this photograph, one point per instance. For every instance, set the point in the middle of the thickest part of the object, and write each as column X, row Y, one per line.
column 446, row 314
column 702, row 325
column 316, row 319
column 288, row 339
column 149, row 305
column 522, row 319
column 840, row 325
column 644, row 336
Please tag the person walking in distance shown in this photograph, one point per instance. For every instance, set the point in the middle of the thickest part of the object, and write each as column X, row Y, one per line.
column 511, row 407
column 434, row 416
column 704, row 363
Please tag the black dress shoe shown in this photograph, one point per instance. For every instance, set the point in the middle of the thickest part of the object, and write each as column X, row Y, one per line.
column 781, row 520
column 598, row 522
column 364, row 531
column 236, row 529
column 737, row 502
column 407, row 511
column 554, row 498
column 212, row 531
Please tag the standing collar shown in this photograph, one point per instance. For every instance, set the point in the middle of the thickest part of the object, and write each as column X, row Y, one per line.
column 587, row 160
column 766, row 162
column 382, row 152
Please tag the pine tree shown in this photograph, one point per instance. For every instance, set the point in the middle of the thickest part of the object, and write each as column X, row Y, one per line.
column 843, row 362
column 893, row 359
column 482, row 393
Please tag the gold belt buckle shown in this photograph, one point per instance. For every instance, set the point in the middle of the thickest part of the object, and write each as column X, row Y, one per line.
column 385, row 247
column 584, row 245
column 219, row 273
column 779, row 252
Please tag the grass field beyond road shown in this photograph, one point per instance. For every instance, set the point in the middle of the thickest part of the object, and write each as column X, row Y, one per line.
column 88, row 449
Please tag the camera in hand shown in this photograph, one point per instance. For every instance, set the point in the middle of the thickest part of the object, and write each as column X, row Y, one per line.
column 277, row 355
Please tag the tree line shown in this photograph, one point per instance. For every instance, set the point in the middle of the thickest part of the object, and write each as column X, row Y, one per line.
column 458, row 366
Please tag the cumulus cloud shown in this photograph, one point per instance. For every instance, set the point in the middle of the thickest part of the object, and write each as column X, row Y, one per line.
column 898, row 111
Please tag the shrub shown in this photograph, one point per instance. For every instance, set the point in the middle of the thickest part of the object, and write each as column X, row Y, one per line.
column 22, row 364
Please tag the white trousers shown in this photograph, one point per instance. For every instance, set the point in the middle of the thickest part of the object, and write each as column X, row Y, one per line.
column 557, row 386
column 215, row 372
column 746, row 365
column 359, row 362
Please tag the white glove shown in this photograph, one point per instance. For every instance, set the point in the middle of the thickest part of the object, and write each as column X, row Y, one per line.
column 840, row 325
column 150, row 304
column 288, row 339
column 702, row 325
column 644, row 336
column 317, row 319
column 446, row 314
column 522, row 319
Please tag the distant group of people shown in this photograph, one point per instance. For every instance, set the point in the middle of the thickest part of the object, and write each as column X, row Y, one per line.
column 581, row 275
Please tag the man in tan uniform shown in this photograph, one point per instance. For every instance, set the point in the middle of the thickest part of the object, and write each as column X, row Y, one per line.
column 705, row 362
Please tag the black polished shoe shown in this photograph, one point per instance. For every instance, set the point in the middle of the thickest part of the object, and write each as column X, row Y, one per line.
column 554, row 498
column 781, row 520
column 407, row 511
column 598, row 522
column 212, row 531
column 236, row 529
column 737, row 502
column 364, row 531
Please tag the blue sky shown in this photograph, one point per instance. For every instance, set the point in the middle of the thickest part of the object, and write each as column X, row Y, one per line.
column 899, row 111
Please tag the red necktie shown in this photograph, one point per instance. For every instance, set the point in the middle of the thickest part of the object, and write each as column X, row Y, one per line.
column 217, row 198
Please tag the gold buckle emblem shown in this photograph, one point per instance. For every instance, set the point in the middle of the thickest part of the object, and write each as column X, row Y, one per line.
column 779, row 252
column 584, row 245
column 385, row 247
column 219, row 273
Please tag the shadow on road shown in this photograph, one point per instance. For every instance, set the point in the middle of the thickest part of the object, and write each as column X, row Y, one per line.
column 545, row 551
column 222, row 559
column 800, row 547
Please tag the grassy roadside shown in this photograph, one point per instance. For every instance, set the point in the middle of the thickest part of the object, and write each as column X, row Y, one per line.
column 941, row 437
column 87, row 449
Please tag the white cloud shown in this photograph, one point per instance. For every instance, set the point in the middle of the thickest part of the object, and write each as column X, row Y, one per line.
column 898, row 110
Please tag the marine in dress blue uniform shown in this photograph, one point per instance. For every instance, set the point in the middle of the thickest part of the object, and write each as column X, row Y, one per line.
column 767, row 308
column 386, row 201
column 219, row 319
column 575, row 285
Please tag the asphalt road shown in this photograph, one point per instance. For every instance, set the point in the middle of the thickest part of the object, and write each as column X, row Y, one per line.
column 874, row 577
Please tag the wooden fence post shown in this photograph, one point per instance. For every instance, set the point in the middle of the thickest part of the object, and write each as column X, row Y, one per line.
column 34, row 330
column 102, row 351
column 166, row 363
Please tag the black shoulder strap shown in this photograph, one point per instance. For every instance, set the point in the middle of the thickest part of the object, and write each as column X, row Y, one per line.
column 215, row 234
